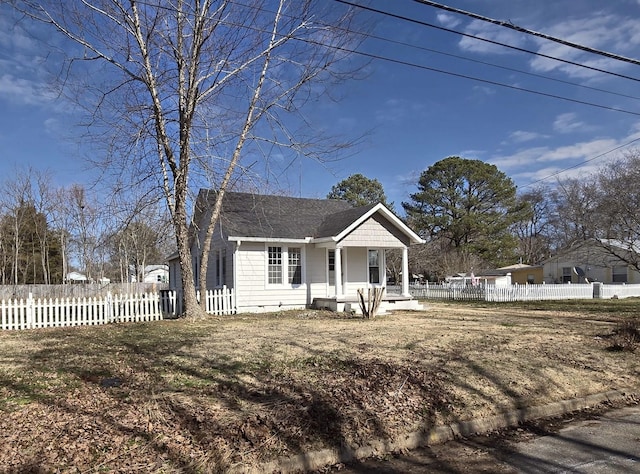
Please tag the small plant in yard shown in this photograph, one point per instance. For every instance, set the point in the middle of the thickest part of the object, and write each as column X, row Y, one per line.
column 626, row 335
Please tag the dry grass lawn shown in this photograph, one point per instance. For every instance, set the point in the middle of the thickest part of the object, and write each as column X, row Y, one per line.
column 205, row 396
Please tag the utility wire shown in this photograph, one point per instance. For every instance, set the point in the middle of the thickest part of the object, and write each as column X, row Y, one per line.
column 498, row 66
column 581, row 163
column 486, row 40
column 456, row 56
column 486, row 81
column 520, row 29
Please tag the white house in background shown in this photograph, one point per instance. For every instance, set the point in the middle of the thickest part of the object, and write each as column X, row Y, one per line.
column 284, row 252
column 156, row 274
column 76, row 277
column 592, row 261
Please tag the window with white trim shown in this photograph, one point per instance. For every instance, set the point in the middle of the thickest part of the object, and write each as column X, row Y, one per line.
column 284, row 261
column 331, row 263
column 274, row 265
column 295, row 265
column 374, row 266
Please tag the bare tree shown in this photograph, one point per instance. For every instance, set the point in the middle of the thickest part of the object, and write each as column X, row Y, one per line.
column 604, row 208
column 573, row 212
column 16, row 210
column 185, row 85
column 618, row 208
column 85, row 229
column 533, row 229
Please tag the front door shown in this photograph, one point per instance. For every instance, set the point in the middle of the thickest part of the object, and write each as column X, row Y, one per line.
column 331, row 271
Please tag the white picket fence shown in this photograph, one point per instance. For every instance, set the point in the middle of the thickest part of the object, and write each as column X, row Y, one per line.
column 30, row 313
column 539, row 292
column 619, row 291
column 523, row 292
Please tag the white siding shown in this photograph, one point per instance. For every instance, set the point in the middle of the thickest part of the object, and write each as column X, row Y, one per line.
column 253, row 293
column 376, row 232
column 356, row 271
column 317, row 272
column 595, row 262
column 220, row 244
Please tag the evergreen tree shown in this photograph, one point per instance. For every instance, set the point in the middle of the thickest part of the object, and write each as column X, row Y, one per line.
column 359, row 191
column 468, row 207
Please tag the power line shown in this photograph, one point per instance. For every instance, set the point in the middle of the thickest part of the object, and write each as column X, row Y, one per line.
column 498, row 66
column 578, row 165
column 486, row 40
column 520, row 29
column 486, row 81
column 463, row 76
column 463, row 58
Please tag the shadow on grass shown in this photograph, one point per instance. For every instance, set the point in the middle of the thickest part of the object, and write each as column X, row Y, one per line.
column 191, row 409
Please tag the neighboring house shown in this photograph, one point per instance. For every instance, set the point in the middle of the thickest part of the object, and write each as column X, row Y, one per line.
column 76, row 277
column 489, row 277
column 285, row 252
column 156, row 274
column 518, row 274
column 590, row 261
column 523, row 274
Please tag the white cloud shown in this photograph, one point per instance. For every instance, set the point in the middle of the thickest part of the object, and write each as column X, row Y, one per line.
column 602, row 31
column 24, row 91
column 398, row 109
column 530, row 164
column 521, row 136
column 53, row 127
column 448, row 20
column 490, row 32
column 485, row 90
column 569, row 123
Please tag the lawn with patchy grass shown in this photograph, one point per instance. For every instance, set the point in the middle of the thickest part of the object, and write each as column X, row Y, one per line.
column 205, row 396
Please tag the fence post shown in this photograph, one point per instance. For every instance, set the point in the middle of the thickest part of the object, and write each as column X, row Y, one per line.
column 29, row 315
column 108, row 307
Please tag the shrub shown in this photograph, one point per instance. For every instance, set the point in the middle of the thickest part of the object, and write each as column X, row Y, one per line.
column 626, row 335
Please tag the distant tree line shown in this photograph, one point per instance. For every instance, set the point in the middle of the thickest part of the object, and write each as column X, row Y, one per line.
column 473, row 218
column 46, row 232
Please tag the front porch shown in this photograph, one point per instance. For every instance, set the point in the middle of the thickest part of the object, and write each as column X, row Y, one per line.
column 390, row 302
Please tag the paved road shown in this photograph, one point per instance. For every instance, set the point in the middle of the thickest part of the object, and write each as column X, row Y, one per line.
column 606, row 443
column 609, row 444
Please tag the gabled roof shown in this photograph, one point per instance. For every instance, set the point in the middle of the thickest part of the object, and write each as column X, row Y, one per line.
column 274, row 217
column 342, row 224
column 254, row 216
column 339, row 221
column 612, row 246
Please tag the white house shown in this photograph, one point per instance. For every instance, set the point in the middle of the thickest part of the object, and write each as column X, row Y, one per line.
column 76, row 277
column 156, row 274
column 285, row 252
column 592, row 261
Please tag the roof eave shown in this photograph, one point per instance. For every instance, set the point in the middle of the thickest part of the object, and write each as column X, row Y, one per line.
column 413, row 237
column 283, row 240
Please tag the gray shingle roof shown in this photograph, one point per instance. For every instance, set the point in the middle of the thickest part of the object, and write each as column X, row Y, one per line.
column 262, row 216
column 336, row 223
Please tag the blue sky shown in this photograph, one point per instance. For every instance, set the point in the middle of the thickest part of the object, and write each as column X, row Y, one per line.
column 415, row 117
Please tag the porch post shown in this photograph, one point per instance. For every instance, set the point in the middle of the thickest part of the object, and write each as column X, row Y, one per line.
column 405, row 272
column 338, row 271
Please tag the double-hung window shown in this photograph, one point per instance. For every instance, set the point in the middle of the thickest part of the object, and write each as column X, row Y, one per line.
column 284, row 261
column 275, row 266
column 295, row 265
